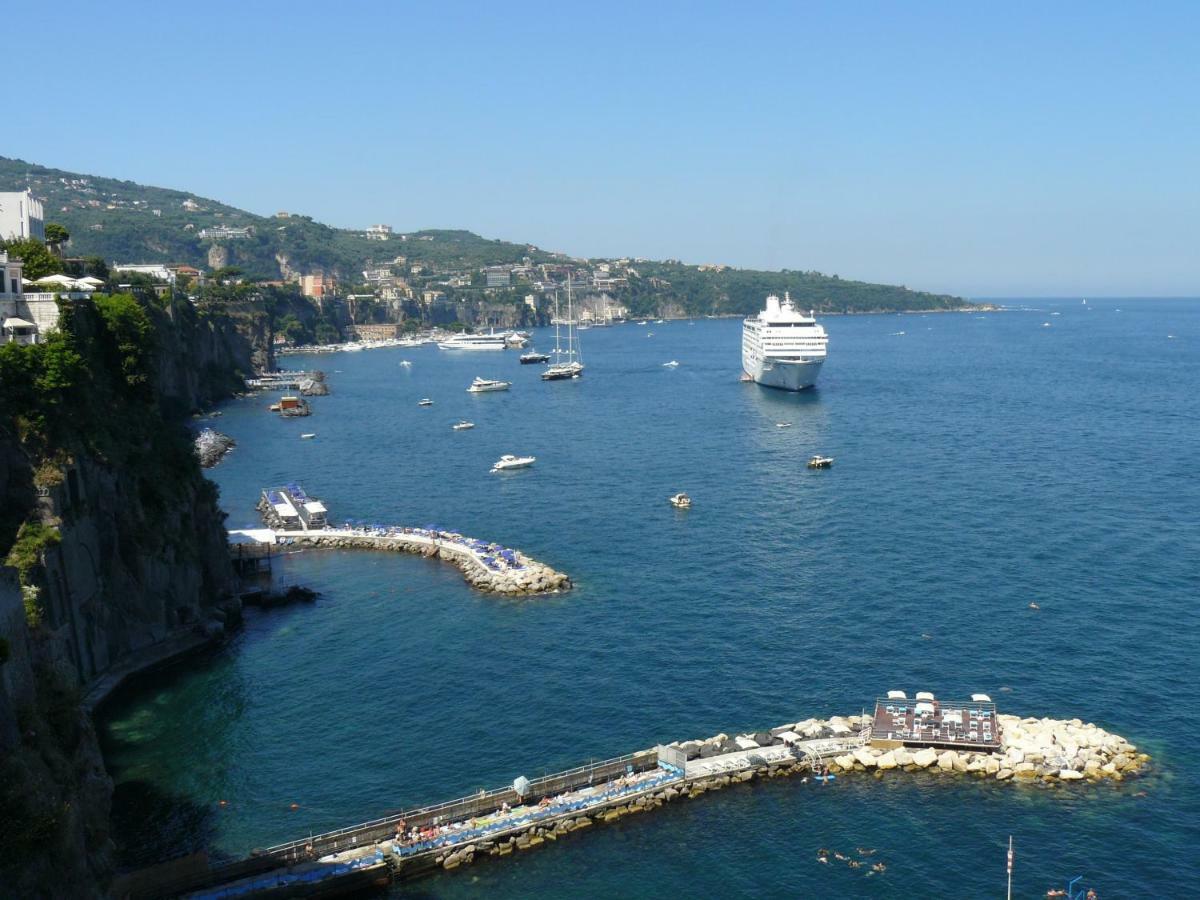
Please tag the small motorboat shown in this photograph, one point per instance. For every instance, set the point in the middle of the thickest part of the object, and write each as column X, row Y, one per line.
column 274, row 407
column 783, row 424
column 308, row 437
column 508, row 461
column 820, row 462
column 534, row 358
column 406, row 363
column 670, row 365
column 425, row 402
column 483, row 385
column 463, row 425
column 681, row 501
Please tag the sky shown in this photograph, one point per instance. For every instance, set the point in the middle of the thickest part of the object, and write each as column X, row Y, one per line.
column 1014, row 149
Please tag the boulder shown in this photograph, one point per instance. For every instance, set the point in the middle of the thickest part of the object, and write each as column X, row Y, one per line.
column 903, row 757
column 1004, row 774
column 886, row 761
column 845, row 762
column 925, row 758
column 948, row 760
column 991, row 765
column 864, row 757
column 840, row 726
column 1069, row 775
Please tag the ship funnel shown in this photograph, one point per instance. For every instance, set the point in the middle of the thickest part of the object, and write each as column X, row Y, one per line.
column 772, row 304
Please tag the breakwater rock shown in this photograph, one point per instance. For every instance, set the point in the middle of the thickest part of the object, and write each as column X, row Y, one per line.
column 1045, row 749
column 211, row 447
column 514, row 575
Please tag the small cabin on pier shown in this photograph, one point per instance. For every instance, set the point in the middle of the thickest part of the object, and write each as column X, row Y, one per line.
column 925, row 721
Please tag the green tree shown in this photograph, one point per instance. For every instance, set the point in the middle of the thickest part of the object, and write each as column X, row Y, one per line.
column 39, row 262
column 56, row 236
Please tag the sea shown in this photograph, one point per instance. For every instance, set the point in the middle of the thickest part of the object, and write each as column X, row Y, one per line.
column 1045, row 454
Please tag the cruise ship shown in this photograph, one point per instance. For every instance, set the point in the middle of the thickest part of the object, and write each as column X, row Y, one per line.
column 473, row 342
column 782, row 347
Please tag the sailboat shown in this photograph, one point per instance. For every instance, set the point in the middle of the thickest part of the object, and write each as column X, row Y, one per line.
column 567, row 363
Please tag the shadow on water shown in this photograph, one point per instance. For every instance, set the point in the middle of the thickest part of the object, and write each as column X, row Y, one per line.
column 150, row 825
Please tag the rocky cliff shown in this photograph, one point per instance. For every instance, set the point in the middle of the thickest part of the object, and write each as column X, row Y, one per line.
column 118, row 549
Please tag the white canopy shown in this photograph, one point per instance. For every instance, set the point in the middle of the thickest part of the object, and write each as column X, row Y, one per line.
column 64, row 280
column 14, row 322
column 981, row 698
column 924, row 707
column 91, row 279
column 897, row 695
column 924, row 695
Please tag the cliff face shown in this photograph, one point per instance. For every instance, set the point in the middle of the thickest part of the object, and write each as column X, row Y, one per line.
column 135, row 563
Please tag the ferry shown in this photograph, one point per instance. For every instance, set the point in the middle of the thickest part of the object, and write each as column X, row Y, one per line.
column 483, row 385
column 473, row 342
column 783, row 348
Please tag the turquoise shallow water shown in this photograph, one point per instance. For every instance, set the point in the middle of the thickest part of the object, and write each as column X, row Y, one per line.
column 983, row 462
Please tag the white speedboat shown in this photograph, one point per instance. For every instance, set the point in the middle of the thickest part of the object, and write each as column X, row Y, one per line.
column 681, row 501
column 508, row 461
column 670, row 365
column 425, row 402
column 473, row 342
column 783, row 424
column 483, row 385
column 463, row 425
column 307, row 437
column 782, row 347
column 820, row 462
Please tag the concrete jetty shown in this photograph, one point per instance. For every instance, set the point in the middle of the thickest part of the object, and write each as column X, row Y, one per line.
column 532, row 814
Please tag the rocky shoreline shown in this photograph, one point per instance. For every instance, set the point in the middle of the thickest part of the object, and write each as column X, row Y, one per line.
column 211, row 447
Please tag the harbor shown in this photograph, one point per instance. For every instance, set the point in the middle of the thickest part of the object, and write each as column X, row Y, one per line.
column 528, row 814
column 294, row 519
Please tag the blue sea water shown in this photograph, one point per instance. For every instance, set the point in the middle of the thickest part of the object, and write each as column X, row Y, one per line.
column 982, row 462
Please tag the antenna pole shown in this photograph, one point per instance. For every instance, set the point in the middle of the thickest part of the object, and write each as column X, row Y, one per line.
column 1010, row 864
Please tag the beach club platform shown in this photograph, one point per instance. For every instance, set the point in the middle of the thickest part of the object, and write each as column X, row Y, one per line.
column 925, row 721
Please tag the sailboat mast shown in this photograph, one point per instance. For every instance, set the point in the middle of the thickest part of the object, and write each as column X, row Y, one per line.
column 570, row 321
column 557, row 327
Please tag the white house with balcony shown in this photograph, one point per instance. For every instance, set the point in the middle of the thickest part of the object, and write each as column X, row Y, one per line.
column 24, row 318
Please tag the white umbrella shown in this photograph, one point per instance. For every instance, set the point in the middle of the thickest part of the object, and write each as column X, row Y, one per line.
column 91, row 279
column 64, row 280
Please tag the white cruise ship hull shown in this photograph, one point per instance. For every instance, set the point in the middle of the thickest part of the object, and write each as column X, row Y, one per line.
column 786, row 375
column 453, row 345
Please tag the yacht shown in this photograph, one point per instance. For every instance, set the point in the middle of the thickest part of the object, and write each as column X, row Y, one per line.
column 508, row 461
column 533, row 357
column 782, row 347
column 567, row 363
column 483, row 385
column 473, row 342
column 425, row 402
column 515, row 340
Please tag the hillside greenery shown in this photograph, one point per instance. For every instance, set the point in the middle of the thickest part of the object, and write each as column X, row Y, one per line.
column 121, row 221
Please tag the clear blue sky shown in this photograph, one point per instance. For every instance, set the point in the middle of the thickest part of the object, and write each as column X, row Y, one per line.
column 999, row 149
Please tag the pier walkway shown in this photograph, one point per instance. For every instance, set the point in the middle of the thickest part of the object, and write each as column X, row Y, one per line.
column 487, row 566
column 498, row 822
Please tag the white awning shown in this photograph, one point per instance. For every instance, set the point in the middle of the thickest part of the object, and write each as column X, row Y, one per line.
column 314, row 506
column 91, row 279
column 924, row 695
column 14, row 322
column 924, row 707
column 56, row 279
column 896, row 695
column 981, row 698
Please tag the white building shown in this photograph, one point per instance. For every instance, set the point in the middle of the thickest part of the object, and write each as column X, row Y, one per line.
column 21, row 216
column 379, row 232
column 23, row 317
column 227, row 232
column 154, row 270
